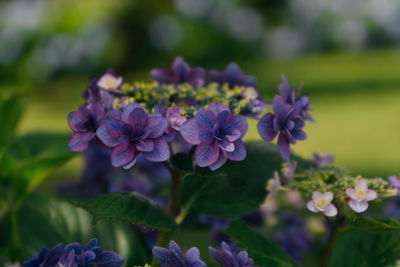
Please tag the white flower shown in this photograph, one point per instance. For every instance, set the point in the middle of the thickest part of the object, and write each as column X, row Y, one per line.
column 110, row 82
column 360, row 195
column 273, row 185
column 321, row 202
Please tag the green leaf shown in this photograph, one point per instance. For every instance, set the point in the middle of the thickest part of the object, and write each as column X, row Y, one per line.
column 128, row 207
column 357, row 248
column 45, row 221
column 263, row 251
column 359, row 221
column 237, row 188
column 11, row 110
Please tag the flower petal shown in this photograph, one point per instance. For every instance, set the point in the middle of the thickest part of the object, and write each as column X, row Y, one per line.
column 219, row 163
column 311, row 206
column 161, row 255
column 74, row 119
column 122, row 154
column 233, row 135
column 190, row 131
column 160, row 152
column 371, row 195
column 239, row 122
column 299, row 134
column 206, row 135
column 131, row 163
column 327, row 196
column 280, row 107
column 362, row 185
column 80, row 141
column 105, row 136
column 351, row 193
column 206, row 154
column 316, row 195
column 192, row 255
column 226, row 146
column 283, row 146
column 330, row 210
column 146, row 145
column 156, row 126
column 239, row 153
column 128, row 110
column 358, row 206
column 205, row 118
column 138, row 119
column 265, row 127
column 218, row 107
column 176, row 251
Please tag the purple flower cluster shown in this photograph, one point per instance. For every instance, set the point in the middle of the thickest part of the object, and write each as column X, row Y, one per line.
column 75, row 255
column 217, row 135
column 132, row 132
column 173, row 257
column 232, row 75
column 229, row 256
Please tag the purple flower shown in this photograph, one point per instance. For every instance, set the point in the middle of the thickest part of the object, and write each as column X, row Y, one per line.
column 360, row 195
column 286, row 122
column 95, row 95
column 217, row 134
column 84, row 124
column 45, row 257
column 291, row 96
column 214, row 222
column 180, row 72
column 174, row 256
column 92, row 255
column 76, row 255
column 110, row 82
column 289, row 171
column 296, row 239
column 132, row 132
column 229, row 256
column 232, row 75
column 394, row 182
column 392, row 208
column 321, row 161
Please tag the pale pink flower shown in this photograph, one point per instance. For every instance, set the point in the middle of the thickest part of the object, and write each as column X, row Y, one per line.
column 110, row 82
column 273, row 185
column 321, row 202
column 360, row 195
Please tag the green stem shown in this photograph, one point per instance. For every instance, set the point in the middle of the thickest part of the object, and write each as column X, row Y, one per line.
column 335, row 226
column 15, row 249
column 172, row 206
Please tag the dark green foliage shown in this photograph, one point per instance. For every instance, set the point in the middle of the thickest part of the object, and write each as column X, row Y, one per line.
column 357, row 248
column 237, row 188
column 128, row 207
column 263, row 251
column 361, row 222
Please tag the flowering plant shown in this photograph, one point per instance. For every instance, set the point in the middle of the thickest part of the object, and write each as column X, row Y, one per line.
column 172, row 154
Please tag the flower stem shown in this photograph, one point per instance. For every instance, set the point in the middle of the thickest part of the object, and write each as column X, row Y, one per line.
column 172, row 206
column 335, row 226
column 15, row 248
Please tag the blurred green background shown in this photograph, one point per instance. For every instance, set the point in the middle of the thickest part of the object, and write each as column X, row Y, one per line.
column 345, row 52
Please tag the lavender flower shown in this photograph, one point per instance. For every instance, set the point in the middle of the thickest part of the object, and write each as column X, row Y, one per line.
column 360, row 195
column 273, row 185
column 174, row 256
column 296, row 239
column 95, row 95
column 76, row 255
column 232, row 75
column 286, row 122
column 229, row 256
column 392, row 208
column 217, row 134
column 84, row 124
column 180, row 72
column 321, row 161
column 110, row 82
column 394, row 182
column 292, row 96
column 45, row 257
column 133, row 132
column 92, row 255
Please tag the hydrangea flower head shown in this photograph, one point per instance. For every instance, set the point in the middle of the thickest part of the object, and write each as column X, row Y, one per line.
column 232, row 75
column 46, row 257
column 394, row 182
column 84, row 124
column 321, row 161
column 321, row 202
column 110, row 82
column 179, row 73
column 285, row 122
column 360, row 195
column 132, row 132
column 173, row 257
column 229, row 256
column 291, row 96
column 217, row 135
